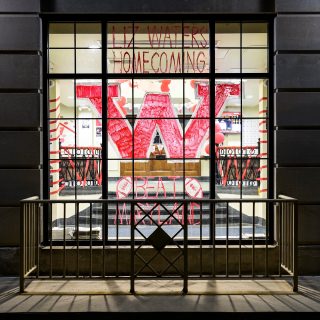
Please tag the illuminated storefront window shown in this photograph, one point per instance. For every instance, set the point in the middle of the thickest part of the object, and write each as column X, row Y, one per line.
column 149, row 110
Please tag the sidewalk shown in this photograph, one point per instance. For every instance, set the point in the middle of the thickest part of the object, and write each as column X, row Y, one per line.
column 73, row 298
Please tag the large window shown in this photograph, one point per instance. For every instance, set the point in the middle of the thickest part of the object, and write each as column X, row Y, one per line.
column 146, row 110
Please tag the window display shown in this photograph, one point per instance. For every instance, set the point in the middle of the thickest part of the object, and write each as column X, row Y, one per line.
column 152, row 120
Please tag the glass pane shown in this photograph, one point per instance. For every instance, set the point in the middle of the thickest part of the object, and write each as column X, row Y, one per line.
column 67, row 135
column 197, row 187
column 196, row 135
column 228, row 175
column 86, row 136
column 158, row 98
column 119, row 139
column 117, row 170
column 255, row 60
column 253, row 178
column 157, row 47
column 156, row 179
column 196, row 35
column 61, row 61
column 81, row 230
column 89, row 173
column 227, row 35
column 227, row 60
column 146, row 61
column 251, row 132
column 254, row 35
column 196, row 98
column 162, row 137
column 62, row 135
column 61, row 99
column 255, row 98
column 196, row 61
column 62, row 178
column 120, row 61
column 227, row 98
column 89, row 99
column 259, row 221
column 158, row 35
column 63, row 219
column 61, row 35
column 119, row 187
column 263, row 183
column 88, row 35
column 88, row 60
column 229, row 137
column 119, row 35
column 119, row 40
column 162, row 61
column 196, row 47
column 119, row 98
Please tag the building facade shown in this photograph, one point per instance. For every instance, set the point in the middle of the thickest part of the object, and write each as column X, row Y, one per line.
column 261, row 59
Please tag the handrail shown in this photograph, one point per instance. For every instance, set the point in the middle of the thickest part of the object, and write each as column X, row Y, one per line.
column 128, row 200
column 281, row 196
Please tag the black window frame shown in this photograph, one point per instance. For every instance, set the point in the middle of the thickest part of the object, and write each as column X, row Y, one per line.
column 212, row 76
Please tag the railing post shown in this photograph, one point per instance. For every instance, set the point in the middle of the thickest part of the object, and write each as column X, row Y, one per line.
column 185, row 247
column 132, row 248
column 22, row 244
column 295, row 247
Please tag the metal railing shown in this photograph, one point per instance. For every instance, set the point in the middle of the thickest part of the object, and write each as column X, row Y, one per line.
column 165, row 239
column 287, row 236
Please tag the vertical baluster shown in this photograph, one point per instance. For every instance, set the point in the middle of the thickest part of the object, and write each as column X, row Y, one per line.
column 50, row 239
column 104, row 204
column 286, row 235
column 34, row 235
column 295, row 247
column 34, row 249
column 253, row 237
column 284, row 228
column 267, row 241
column 64, row 241
column 31, row 236
column 117, row 239
column 90, row 239
column 280, row 213
column 240, row 240
column 292, row 235
column 27, row 236
column 213, row 207
column 227, row 240
column 185, row 246
column 289, row 235
column 77, row 233
column 201, row 256
column 132, row 231
column 38, row 238
column 22, row 246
